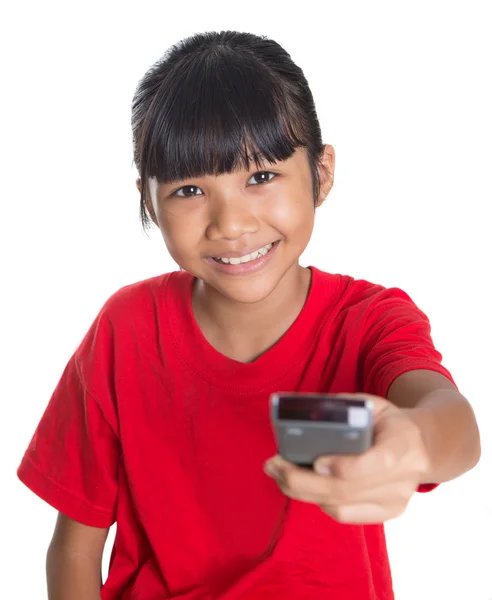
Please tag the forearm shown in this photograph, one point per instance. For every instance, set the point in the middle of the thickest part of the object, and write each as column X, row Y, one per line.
column 449, row 432
column 72, row 575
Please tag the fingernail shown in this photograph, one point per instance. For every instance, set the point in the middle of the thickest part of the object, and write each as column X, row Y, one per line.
column 322, row 469
column 272, row 470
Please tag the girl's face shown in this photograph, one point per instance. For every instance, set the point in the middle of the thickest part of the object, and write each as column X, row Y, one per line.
column 241, row 232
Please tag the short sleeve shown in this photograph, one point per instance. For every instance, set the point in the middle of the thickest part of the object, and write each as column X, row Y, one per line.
column 72, row 460
column 397, row 339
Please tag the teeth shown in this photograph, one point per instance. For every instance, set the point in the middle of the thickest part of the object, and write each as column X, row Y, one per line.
column 247, row 257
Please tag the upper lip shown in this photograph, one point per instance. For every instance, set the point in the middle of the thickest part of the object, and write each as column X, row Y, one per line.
column 239, row 253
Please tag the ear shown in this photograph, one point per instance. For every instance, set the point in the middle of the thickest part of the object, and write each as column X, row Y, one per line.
column 326, row 173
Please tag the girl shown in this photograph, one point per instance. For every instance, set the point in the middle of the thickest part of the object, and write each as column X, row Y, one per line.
column 160, row 421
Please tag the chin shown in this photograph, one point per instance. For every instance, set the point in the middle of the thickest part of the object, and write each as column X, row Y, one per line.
column 251, row 289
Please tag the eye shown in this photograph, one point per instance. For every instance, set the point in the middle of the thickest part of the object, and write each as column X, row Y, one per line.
column 261, row 177
column 188, row 191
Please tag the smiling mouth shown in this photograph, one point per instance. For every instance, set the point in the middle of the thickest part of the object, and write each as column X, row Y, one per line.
column 236, row 260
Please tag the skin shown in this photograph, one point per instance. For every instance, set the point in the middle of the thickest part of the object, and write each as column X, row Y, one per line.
column 243, row 316
column 424, row 432
column 73, row 561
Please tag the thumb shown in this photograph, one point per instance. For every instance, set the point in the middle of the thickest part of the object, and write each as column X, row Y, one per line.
column 350, row 466
column 323, row 465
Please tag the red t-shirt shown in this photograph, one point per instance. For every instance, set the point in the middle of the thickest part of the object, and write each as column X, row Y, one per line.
column 152, row 428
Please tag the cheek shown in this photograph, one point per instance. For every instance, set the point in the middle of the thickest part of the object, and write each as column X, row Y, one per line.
column 181, row 230
column 292, row 214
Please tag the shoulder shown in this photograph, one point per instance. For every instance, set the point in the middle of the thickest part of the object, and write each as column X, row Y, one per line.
column 130, row 313
column 136, row 296
column 357, row 305
column 136, row 301
column 356, row 295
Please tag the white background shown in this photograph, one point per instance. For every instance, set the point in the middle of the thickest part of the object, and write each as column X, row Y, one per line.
column 403, row 93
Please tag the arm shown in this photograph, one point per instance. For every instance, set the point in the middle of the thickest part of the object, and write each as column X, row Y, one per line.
column 445, row 419
column 424, row 433
column 73, row 563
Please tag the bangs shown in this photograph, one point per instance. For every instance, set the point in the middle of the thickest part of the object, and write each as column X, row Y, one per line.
column 217, row 113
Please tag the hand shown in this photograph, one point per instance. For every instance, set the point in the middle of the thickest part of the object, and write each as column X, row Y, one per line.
column 372, row 487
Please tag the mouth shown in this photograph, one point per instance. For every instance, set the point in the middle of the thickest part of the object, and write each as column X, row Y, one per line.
column 246, row 264
column 241, row 260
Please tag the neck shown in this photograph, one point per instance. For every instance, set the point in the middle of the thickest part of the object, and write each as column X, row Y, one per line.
column 245, row 331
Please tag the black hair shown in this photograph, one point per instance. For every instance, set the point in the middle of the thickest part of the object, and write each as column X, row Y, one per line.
column 217, row 101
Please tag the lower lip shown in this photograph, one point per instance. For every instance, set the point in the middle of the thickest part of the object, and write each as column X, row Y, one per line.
column 244, row 268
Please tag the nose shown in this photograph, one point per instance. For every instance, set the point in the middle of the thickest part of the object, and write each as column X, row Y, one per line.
column 230, row 218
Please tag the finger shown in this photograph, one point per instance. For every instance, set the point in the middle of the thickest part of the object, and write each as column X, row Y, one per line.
column 380, row 458
column 394, row 493
column 392, row 488
column 304, row 485
column 299, row 483
column 405, row 438
column 376, row 462
column 362, row 514
column 396, row 445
